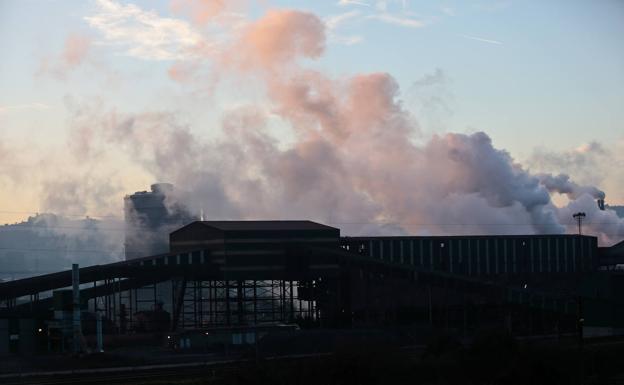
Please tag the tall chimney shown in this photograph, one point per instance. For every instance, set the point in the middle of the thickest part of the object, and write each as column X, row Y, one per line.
column 601, row 204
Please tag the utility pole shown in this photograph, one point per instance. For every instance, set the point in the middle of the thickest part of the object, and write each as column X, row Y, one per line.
column 580, row 318
column 579, row 218
column 76, row 326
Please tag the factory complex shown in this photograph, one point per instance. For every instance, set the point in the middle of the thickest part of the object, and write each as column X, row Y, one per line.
column 231, row 282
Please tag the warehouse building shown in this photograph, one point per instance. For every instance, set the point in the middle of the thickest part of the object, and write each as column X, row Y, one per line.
column 483, row 255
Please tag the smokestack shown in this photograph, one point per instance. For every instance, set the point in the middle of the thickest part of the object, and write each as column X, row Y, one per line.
column 162, row 188
column 601, row 204
column 149, row 219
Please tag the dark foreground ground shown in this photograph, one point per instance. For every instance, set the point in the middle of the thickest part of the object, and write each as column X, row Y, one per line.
column 492, row 358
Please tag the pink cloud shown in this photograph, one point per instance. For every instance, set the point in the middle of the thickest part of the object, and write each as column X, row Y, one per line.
column 278, row 38
column 200, row 11
column 75, row 50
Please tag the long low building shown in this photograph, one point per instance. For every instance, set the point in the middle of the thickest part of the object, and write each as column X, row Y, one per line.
column 484, row 255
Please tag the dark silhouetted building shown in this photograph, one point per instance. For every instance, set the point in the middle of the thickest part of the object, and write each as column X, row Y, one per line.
column 241, row 237
column 149, row 218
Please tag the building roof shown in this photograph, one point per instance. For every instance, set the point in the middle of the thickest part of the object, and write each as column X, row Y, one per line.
column 265, row 225
column 613, row 251
column 443, row 237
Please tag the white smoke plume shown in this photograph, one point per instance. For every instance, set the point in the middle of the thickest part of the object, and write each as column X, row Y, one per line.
column 357, row 158
column 563, row 185
column 591, row 164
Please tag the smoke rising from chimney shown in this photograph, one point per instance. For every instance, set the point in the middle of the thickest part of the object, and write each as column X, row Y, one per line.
column 563, row 185
column 357, row 158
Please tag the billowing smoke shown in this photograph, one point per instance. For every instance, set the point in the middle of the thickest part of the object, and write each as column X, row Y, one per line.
column 563, row 185
column 606, row 225
column 357, row 160
column 591, row 164
column 354, row 156
column 150, row 216
column 619, row 210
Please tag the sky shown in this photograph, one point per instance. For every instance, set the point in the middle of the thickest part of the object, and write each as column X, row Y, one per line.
column 543, row 80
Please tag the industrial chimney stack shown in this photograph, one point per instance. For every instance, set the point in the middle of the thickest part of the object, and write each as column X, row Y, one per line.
column 149, row 219
column 601, row 204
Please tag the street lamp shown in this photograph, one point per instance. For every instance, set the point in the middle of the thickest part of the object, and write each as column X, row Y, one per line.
column 579, row 218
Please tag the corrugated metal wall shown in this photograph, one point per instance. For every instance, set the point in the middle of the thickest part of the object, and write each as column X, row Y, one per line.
column 483, row 255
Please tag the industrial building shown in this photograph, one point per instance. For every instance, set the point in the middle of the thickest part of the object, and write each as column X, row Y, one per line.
column 249, row 273
column 149, row 218
column 484, row 255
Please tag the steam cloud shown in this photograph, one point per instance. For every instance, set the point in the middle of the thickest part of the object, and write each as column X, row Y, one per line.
column 357, row 159
column 563, row 185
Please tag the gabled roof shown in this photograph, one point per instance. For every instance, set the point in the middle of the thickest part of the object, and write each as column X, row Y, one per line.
column 265, row 225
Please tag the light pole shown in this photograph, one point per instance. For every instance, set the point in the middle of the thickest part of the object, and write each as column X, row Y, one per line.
column 580, row 319
column 579, row 218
